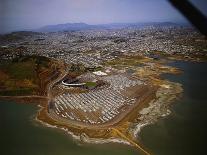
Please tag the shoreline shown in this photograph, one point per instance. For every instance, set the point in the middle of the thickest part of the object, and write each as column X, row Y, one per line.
column 161, row 112
column 153, row 105
column 83, row 137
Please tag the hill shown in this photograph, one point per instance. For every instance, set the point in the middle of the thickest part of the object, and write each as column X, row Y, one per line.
column 84, row 26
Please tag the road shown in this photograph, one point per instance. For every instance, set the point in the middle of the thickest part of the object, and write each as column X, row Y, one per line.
column 103, row 126
column 130, row 141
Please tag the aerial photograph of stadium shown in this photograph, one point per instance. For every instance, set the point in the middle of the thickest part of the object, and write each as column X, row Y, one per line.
column 103, row 77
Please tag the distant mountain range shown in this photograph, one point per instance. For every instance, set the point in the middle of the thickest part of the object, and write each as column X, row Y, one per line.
column 84, row 26
column 66, row 27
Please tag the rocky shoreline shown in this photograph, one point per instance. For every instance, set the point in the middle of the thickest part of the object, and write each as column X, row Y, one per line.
column 157, row 108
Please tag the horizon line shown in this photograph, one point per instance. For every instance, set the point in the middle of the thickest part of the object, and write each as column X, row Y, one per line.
column 91, row 24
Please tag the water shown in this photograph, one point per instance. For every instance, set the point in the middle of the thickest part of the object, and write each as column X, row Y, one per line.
column 20, row 135
column 182, row 133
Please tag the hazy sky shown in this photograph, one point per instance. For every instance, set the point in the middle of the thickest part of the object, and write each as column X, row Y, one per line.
column 29, row 14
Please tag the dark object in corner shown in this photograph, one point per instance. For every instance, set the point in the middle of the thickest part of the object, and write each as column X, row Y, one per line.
column 192, row 14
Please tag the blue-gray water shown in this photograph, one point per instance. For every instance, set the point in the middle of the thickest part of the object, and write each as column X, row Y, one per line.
column 20, row 135
column 182, row 133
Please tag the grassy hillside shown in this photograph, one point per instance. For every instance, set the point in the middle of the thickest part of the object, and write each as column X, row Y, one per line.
column 24, row 76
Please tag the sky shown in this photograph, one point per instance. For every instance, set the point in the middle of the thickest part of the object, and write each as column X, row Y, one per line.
column 31, row 14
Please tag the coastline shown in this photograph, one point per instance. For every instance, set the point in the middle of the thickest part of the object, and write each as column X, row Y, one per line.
column 125, row 131
column 151, row 114
column 145, row 118
column 83, row 137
